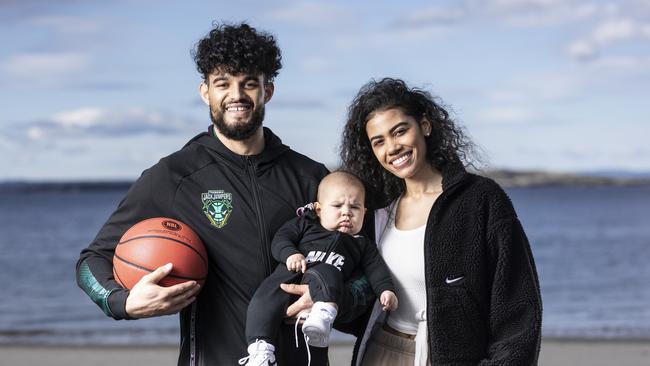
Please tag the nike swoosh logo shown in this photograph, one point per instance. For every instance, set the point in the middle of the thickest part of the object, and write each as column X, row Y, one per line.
column 452, row 280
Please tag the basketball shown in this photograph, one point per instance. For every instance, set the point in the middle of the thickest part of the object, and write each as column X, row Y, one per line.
column 152, row 243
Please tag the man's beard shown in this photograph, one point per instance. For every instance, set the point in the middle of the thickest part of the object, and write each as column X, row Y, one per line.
column 241, row 130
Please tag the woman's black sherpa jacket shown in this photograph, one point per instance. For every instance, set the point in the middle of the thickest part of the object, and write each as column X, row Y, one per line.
column 483, row 298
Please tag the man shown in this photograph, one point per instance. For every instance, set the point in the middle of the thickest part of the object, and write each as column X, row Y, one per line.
column 235, row 185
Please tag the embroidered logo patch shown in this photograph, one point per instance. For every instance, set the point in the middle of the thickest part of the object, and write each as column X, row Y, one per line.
column 217, row 206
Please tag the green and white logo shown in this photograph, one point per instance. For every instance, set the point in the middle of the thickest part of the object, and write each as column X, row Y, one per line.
column 217, row 206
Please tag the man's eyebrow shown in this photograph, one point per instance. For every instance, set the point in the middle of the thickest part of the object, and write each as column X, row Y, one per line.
column 251, row 77
column 220, row 78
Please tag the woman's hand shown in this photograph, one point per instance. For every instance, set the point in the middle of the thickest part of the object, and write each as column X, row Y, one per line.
column 297, row 262
column 388, row 300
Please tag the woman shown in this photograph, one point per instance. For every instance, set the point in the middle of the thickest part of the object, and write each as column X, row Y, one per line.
column 463, row 269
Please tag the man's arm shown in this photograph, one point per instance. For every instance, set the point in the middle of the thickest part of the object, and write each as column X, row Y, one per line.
column 147, row 299
column 354, row 301
column 357, row 297
column 95, row 265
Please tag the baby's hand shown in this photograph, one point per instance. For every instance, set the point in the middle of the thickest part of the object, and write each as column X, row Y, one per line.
column 296, row 262
column 389, row 300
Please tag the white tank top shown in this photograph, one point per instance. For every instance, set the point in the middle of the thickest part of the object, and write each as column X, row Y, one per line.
column 403, row 252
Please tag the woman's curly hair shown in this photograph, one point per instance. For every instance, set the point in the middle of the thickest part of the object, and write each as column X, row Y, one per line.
column 238, row 49
column 447, row 144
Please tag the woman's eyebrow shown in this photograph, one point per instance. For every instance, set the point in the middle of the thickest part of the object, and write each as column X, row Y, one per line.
column 391, row 130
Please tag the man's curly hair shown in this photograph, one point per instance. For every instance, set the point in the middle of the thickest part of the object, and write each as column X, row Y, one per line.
column 446, row 145
column 237, row 49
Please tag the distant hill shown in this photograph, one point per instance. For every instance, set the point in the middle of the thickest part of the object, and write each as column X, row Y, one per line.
column 512, row 178
column 506, row 178
column 73, row 186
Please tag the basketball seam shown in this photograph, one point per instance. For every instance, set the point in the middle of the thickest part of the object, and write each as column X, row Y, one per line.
column 117, row 276
column 205, row 262
column 151, row 270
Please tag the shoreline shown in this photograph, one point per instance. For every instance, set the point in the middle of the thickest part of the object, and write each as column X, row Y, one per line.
column 507, row 178
column 554, row 352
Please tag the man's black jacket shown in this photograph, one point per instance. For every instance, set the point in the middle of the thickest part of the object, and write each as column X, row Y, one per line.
column 235, row 203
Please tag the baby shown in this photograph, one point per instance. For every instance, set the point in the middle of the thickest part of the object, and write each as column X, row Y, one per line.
column 321, row 248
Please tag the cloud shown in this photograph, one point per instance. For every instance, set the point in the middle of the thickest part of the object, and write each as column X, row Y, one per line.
column 616, row 30
column 311, row 14
column 91, row 121
column 297, row 103
column 18, row 10
column 582, row 50
column 530, row 14
column 525, row 5
column 607, row 34
column 537, row 88
column 423, row 23
column 625, row 64
column 37, row 66
column 548, row 13
column 604, row 77
column 431, row 16
column 388, row 37
column 504, row 95
column 66, row 24
column 80, row 118
column 316, row 64
column 526, row 13
column 539, row 13
column 505, row 114
column 105, row 85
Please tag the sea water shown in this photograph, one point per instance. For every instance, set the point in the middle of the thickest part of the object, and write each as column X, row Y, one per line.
column 591, row 247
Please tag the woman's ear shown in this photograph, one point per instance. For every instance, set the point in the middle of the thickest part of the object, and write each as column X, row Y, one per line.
column 426, row 126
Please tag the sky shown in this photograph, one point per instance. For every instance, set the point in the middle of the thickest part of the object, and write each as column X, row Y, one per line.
column 94, row 90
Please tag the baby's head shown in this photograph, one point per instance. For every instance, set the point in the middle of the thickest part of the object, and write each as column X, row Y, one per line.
column 340, row 204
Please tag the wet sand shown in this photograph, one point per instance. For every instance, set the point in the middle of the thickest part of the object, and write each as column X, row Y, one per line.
column 554, row 352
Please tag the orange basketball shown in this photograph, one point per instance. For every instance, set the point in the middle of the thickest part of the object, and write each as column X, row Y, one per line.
column 155, row 242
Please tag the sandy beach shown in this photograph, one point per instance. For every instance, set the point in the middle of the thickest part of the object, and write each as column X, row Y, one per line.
column 554, row 353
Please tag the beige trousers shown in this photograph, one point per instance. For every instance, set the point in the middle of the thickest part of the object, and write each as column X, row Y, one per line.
column 385, row 349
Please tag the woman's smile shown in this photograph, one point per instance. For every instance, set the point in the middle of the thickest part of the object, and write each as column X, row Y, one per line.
column 402, row 161
column 397, row 141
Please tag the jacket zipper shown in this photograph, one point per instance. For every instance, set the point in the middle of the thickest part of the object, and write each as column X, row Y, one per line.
column 431, row 221
column 427, row 279
column 193, row 335
column 266, row 247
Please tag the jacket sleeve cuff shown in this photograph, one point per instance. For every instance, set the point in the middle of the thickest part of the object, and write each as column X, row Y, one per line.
column 386, row 286
column 287, row 252
column 117, row 304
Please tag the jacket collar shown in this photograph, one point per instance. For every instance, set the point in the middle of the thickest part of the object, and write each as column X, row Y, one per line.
column 273, row 148
column 452, row 174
